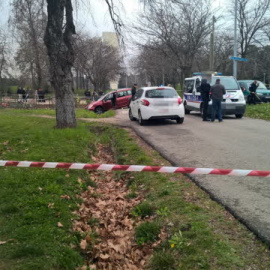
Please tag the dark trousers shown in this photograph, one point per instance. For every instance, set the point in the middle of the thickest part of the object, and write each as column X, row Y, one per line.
column 252, row 98
column 205, row 108
column 216, row 109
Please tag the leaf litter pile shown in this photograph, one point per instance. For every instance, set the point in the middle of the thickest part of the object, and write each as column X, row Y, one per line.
column 106, row 223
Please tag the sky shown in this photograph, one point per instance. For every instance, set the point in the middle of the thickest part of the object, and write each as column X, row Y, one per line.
column 94, row 17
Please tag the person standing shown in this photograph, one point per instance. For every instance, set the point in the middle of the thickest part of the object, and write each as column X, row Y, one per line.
column 252, row 89
column 205, row 90
column 133, row 90
column 217, row 92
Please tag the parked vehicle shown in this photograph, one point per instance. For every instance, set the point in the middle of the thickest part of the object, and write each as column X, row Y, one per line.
column 151, row 103
column 262, row 92
column 233, row 101
column 114, row 99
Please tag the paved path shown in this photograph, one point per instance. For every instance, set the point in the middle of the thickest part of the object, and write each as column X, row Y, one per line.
column 233, row 144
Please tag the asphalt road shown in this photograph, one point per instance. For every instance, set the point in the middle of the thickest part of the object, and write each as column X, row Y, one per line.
column 232, row 144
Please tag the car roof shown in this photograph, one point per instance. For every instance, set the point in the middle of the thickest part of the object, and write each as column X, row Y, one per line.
column 156, row 87
column 122, row 89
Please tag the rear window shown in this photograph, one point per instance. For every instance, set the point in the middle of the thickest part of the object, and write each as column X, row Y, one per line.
column 228, row 82
column 158, row 93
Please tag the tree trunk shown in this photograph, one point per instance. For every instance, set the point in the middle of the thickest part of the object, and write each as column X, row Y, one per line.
column 61, row 57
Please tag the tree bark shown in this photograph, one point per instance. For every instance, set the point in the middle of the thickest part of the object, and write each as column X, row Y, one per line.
column 61, row 57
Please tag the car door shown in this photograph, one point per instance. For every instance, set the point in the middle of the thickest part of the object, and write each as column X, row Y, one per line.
column 107, row 102
column 120, row 100
column 135, row 103
column 197, row 94
column 189, row 93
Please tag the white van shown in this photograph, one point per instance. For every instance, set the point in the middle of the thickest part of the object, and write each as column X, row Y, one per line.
column 233, row 101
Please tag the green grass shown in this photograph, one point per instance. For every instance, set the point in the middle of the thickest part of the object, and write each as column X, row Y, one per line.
column 210, row 238
column 147, row 232
column 259, row 111
column 80, row 113
column 27, row 223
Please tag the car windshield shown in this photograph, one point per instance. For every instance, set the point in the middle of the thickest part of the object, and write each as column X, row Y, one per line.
column 161, row 93
column 260, row 87
column 228, row 82
column 101, row 97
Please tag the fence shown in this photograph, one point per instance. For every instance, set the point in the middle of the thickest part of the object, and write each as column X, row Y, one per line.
column 18, row 102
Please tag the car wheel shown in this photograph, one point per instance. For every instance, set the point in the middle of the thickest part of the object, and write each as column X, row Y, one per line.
column 180, row 120
column 99, row 110
column 239, row 115
column 130, row 115
column 186, row 110
column 141, row 121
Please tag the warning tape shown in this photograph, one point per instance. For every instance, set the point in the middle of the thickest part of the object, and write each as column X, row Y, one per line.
column 131, row 168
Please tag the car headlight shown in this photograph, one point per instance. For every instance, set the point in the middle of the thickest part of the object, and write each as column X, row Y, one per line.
column 90, row 106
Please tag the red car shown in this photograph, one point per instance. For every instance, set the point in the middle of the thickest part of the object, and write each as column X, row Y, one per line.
column 113, row 100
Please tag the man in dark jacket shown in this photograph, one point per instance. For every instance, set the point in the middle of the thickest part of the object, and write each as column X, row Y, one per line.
column 217, row 92
column 205, row 89
column 252, row 89
column 133, row 90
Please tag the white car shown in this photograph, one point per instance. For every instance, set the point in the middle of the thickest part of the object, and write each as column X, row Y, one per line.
column 156, row 103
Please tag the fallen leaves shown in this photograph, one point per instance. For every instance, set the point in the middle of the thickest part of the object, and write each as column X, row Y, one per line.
column 60, row 225
column 115, row 247
column 83, row 244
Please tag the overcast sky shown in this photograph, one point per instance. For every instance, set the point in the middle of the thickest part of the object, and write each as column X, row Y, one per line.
column 98, row 11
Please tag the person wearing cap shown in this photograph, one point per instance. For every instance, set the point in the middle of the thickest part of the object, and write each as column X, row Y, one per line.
column 217, row 91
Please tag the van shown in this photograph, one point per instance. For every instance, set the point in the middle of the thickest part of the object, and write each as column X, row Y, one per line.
column 233, row 101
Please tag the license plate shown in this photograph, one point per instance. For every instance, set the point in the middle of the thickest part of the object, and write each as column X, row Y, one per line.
column 162, row 104
column 163, row 111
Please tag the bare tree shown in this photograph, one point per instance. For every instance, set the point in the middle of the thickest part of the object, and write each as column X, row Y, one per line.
column 98, row 61
column 181, row 26
column 29, row 18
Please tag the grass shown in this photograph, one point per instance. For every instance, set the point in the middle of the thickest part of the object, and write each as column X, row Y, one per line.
column 80, row 113
column 147, row 232
column 204, row 234
column 259, row 111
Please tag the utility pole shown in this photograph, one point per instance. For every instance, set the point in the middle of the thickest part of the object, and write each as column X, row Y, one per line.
column 235, row 41
column 212, row 42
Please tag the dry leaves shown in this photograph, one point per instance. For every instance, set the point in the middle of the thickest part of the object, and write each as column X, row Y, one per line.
column 115, row 248
column 60, row 225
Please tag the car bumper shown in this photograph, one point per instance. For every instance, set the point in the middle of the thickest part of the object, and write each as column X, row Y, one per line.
column 264, row 98
column 162, row 113
column 230, row 108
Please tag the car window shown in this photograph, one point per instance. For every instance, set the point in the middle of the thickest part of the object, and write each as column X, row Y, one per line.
column 138, row 94
column 129, row 92
column 121, row 94
column 228, row 82
column 161, row 93
column 188, row 86
column 108, row 97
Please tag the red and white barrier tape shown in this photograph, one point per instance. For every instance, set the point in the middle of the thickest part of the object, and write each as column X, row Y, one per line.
column 132, row 168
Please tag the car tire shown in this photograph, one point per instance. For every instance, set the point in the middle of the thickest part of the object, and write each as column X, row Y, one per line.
column 141, row 121
column 239, row 116
column 99, row 110
column 180, row 120
column 131, row 117
column 186, row 110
